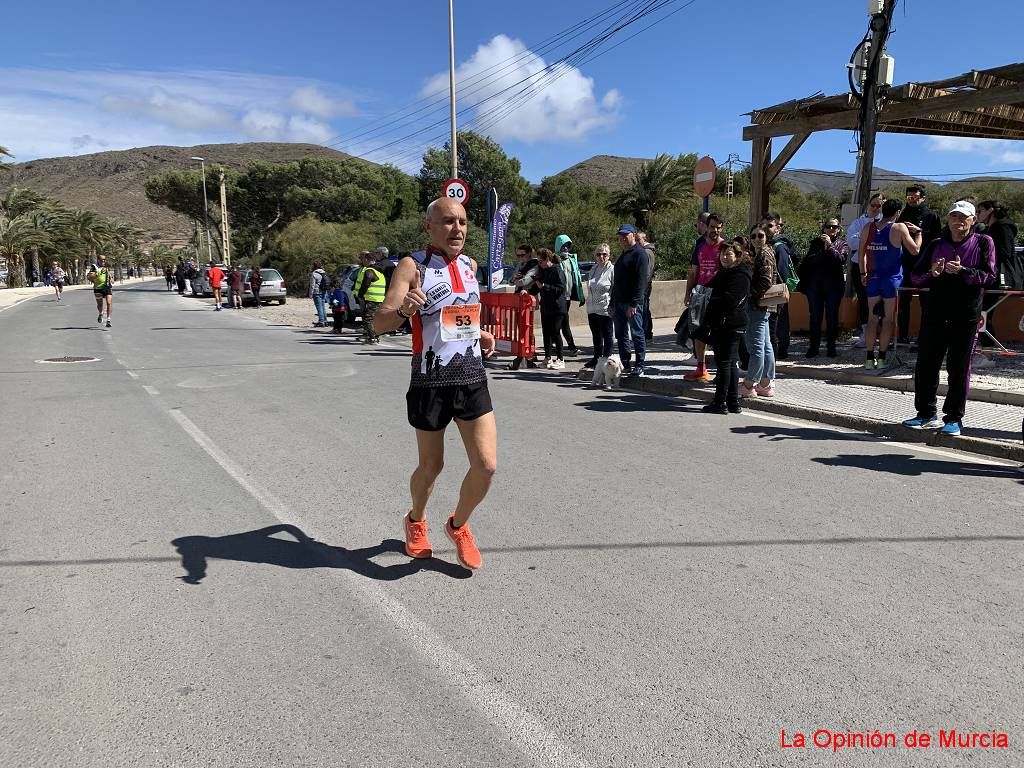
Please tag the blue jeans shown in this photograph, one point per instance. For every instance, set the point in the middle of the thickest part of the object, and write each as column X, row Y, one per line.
column 762, row 356
column 321, row 313
column 626, row 327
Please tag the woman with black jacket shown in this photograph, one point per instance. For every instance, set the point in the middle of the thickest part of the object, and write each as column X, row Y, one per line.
column 823, row 280
column 725, row 321
column 550, row 281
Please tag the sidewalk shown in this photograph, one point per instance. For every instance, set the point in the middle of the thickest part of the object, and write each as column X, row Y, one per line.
column 11, row 296
column 835, row 393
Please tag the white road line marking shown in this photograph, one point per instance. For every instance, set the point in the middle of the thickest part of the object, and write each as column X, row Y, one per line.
column 151, row 390
column 133, row 374
column 529, row 734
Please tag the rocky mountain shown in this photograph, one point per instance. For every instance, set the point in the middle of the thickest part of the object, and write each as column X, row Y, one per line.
column 112, row 183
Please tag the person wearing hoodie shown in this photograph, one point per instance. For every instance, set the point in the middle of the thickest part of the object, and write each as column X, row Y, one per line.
column 599, row 302
column 783, row 248
column 915, row 212
column 955, row 269
column 550, row 282
column 319, row 286
column 994, row 221
column 725, row 320
column 570, row 267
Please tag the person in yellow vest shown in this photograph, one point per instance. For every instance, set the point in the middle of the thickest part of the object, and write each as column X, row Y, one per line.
column 370, row 290
column 102, row 287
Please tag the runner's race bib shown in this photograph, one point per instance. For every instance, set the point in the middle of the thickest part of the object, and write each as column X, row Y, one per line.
column 460, row 322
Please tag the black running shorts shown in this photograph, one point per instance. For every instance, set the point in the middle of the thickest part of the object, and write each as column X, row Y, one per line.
column 104, row 291
column 433, row 408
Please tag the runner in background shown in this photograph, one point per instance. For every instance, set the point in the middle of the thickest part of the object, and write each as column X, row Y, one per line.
column 57, row 278
column 102, row 287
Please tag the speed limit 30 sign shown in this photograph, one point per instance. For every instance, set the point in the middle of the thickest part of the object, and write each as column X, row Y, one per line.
column 457, row 190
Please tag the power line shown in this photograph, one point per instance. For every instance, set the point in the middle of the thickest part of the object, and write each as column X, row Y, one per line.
column 546, row 76
column 482, row 78
column 560, row 65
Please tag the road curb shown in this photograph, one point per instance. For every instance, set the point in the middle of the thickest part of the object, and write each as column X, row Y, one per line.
column 899, row 385
column 891, row 430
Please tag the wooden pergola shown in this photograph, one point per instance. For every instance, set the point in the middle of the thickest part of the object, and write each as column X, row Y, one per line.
column 985, row 104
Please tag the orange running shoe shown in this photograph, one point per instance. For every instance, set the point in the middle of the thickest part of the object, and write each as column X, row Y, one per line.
column 698, row 375
column 416, row 542
column 465, row 547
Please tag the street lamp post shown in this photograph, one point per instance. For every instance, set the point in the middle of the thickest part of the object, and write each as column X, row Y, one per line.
column 206, row 210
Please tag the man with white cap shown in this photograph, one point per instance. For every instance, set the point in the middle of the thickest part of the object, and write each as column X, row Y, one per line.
column 955, row 268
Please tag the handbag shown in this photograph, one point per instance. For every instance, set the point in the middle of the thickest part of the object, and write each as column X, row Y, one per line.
column 699, row 299
column 682, row 329
column 775, row 296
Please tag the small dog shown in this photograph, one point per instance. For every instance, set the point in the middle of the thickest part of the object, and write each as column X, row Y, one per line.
column 608, row 372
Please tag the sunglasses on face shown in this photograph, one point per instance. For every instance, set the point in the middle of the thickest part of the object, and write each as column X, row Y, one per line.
column 758, row 236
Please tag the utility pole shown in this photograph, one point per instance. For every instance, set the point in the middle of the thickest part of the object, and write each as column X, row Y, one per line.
column 451, row 87
column 225, row 234
column 206, row 210
column 868, row 123
column 729, row 178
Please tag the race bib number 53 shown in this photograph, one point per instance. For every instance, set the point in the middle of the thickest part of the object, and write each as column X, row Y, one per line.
column 460, row 322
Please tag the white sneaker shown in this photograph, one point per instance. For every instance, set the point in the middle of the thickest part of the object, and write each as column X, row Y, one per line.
column 559, row 365
column 549, row 363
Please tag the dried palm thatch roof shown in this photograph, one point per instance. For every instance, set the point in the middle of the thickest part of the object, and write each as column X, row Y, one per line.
column 986, row 103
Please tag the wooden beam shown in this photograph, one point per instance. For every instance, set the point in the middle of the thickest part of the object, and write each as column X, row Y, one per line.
column 908, row 110
column 783, row 158
column 760, row 153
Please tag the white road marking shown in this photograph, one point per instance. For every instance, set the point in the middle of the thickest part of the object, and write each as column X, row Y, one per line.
column 151, row 390
column 133, row 374
column 529, row 734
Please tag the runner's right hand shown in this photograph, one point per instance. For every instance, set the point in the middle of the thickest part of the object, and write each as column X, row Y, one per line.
column 415, row 298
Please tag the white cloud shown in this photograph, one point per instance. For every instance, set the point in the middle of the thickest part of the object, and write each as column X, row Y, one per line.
column 308, row 129
column 264, row 124
column 312, row 101
column 174, row 109
column 54, row 112
column 995, row 151
column 554, row 105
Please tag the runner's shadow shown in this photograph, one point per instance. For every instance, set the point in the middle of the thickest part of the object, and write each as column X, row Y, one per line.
column 261, row 546
column 629, row 403
column 775, row 434
column 912, row 466
column 79, row 328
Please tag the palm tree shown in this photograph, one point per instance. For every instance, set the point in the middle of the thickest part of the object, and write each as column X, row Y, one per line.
column 4, row 153
column 19, row 234
column 660, row 184
column 55, row 220
column 91, row 232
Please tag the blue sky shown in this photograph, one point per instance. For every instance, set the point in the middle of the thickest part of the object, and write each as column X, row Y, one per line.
column 133, row 74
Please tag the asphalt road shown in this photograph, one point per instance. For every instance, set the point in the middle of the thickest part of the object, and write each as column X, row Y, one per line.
column 660, row 587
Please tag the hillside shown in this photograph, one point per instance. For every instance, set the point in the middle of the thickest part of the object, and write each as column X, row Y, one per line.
column 112, row 183
column 614, row 173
